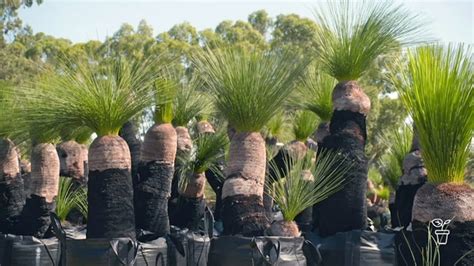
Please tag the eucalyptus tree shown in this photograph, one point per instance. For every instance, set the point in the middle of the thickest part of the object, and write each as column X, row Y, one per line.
column 102, row 100
column 249, row 87
column 351, row 36
column 436, row 87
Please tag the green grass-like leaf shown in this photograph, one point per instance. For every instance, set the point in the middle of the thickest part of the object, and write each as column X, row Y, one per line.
column 69, row 198
column 82, row 96
column 436, row 88
column 249, row 87
column 315, row 93
column 293, row 194
column 190, row 102
column 304, row 125
column 354, row 33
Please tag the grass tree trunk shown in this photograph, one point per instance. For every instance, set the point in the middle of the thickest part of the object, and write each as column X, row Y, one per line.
column 242, row 210
column 43, row 190
column 321, row 133
column 191, row 202
column 446, row 201
column 346, row 209
column 110, row 190
column 129, row 133
column 184, row 147
column 204, row 127
column 11, row 187
column 156, row 174
column 414, row 176
column 73, row 161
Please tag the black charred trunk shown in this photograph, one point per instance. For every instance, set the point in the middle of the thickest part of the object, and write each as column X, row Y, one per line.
column 110, row 200
column 12, row 200
column 189, row 212
column 235, row 207
column 346, row 209
column 151, row 197
column 304, row 220
column 174, row 196
column 216, row 183
column 401, row 209
column 35, row 217
column 129, row 133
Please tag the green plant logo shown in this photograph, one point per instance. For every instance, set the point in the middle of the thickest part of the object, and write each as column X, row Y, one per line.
column 441, row 232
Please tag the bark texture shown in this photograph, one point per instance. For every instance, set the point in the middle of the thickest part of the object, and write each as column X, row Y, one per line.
column 205, row 127
column 447, row 201
column 284, row 228
column 348, row 135
column 191, row 204
column 110, row 191
column 129, row 134
column 156, row 171
column 184, row 147
column 11, row 187
column 72, row 160
column 45, row 171
column 242, row 193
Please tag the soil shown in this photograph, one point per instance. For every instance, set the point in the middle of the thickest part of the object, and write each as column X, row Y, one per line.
column 110, row 199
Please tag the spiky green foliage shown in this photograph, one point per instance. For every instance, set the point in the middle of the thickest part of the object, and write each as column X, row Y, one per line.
column 314, row 93
column 190, row 102
column 277, row 127
column 353, row 34
column 249, row 87
column 69, row 198
column 293, row 194
column 304, row 124
column 80, row 134
column 399, row 144
column 380, row 188
column 208, row 149
column 7, row 110
column 82, row 96
column 437, row 90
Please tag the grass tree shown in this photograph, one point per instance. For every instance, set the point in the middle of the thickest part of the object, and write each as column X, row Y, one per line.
column 304, row 184
column 351, row 36
column 158, row 155
column 437, row 90
column 315, row 94
column 191, row 202
column 73, row 154
column 102, row 101
column 11, row 182
column 249, row 88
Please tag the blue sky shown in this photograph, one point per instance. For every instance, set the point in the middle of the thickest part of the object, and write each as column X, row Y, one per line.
column 83, row 20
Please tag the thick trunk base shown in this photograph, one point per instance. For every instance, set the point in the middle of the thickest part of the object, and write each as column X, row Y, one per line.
column 401, row 209
column 284, row 228
column 216, row 184
column 346, row 209
column 110, row 198
column 12, row 200
column 151, row 197
column 35, row 217
column 189, row 212
column 244, row 215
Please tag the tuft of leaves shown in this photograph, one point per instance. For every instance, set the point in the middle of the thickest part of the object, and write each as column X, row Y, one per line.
column 436, row 88
column 314, row 93
column 249, row 87
column 304, row 125
column 353, row 34
column 293, row 193
column 70, row 198
column 190, row 102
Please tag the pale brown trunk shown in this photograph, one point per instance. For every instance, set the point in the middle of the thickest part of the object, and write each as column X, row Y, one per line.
column 349, row 96
column 160, row 144
column 9, row 162
column 204, row 127
column 45, row 171
column 242, row 193
column 184, row 142
column 284, row 228
column 72, row 160
column 194, row 187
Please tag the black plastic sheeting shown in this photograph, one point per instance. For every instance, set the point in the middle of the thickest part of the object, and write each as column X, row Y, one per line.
column 28, row 250
column 243, row 251
column 352, row 248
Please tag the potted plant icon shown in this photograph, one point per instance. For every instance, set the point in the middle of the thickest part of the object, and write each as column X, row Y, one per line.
column 441, row 233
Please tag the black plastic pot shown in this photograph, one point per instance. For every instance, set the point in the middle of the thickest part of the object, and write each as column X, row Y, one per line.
column 27, row 250
column 243, row 251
